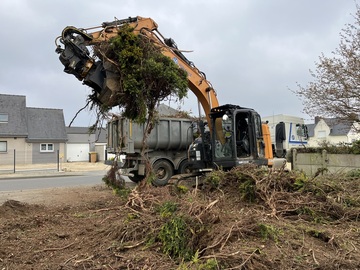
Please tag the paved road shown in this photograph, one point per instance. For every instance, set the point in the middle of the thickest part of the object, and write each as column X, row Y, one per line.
column 90, row 178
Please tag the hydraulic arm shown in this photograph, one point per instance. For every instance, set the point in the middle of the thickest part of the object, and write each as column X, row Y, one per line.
column 75, row 55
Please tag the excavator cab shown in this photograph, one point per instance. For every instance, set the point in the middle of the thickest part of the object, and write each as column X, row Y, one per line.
column 235, row 138
column 240, row 140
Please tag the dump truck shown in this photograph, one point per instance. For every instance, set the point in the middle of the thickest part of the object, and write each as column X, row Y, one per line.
column 167, row 146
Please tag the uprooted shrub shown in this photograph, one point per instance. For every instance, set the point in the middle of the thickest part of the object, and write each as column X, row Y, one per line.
column 144, row 75
column 330, row 199
column 141, row 77
column 174, row 236
column 113, row 180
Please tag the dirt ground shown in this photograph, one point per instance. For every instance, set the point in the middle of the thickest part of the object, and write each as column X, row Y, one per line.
column 275, row 222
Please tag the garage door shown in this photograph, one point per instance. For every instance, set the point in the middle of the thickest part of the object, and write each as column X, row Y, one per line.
column 77, row 152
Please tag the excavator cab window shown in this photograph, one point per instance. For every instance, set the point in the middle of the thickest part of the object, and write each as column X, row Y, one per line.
column 242, row 135
column 248, row 133
column 260, row 144
column 224, row 139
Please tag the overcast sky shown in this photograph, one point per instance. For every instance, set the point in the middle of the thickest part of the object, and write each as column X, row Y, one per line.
column 252, row 51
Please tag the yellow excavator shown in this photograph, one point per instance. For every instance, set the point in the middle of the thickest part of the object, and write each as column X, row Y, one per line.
column 234, row 135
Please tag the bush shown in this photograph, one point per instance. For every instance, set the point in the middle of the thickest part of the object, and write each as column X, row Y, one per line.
column 341, row 148
column 174, row 236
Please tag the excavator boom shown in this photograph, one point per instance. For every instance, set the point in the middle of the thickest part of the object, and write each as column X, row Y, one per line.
column 75, row 55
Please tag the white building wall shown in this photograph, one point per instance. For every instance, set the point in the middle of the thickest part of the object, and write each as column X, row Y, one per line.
column 321, row 134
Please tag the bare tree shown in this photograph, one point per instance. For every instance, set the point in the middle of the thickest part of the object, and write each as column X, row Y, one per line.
column 335, row 91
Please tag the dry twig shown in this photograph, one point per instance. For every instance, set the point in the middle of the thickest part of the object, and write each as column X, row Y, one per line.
column 55, row 248
column 84, row 260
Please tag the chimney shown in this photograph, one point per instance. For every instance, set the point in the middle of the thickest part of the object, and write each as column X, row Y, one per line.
column 317, row 119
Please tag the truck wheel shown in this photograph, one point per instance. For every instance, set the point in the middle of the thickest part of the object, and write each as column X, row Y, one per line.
column 163, row 171
column 185, row 167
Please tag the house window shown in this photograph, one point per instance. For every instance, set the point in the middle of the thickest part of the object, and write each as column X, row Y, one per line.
column 4, row 118
column 3, row 146
column 47, row 147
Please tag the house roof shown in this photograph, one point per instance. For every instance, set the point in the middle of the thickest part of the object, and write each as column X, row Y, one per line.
column 100, row 133
column 337, row 126
column 77, row 130
column 46, row 125
column 15, row 107
column 35, row 124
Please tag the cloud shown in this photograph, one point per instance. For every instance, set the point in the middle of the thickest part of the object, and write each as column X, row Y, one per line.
column 251, row 51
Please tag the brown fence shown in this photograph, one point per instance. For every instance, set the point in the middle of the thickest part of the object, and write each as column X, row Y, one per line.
column 19, row 161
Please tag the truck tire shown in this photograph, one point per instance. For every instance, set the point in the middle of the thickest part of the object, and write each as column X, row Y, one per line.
column 185, row 167
column 163, row 171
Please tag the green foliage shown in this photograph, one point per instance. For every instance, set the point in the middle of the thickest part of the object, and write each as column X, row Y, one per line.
column 300, row 258
column 310, row 213
column 269, row 232
column 246, row 182
column 150, row 177
column 247, row 190
column 122, row 192
column 210, row 264
column 330, row 148
column 146, row 75
column 300, row 181
column 351, row 202
column 117, row 184
column 174, row 236
column 214, row 178
column 80, row 215
column 167, row 209
column 138, row 77
column 182, row 189
column 131, row 216
column 355, row 147
column 314, row 233
column 353, row 173
column 335, row 149
column 196, row 263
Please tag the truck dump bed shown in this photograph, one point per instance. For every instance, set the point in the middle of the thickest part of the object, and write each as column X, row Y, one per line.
column 168, row 134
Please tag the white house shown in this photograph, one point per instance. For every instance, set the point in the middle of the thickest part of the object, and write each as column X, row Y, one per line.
column 333, row 131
